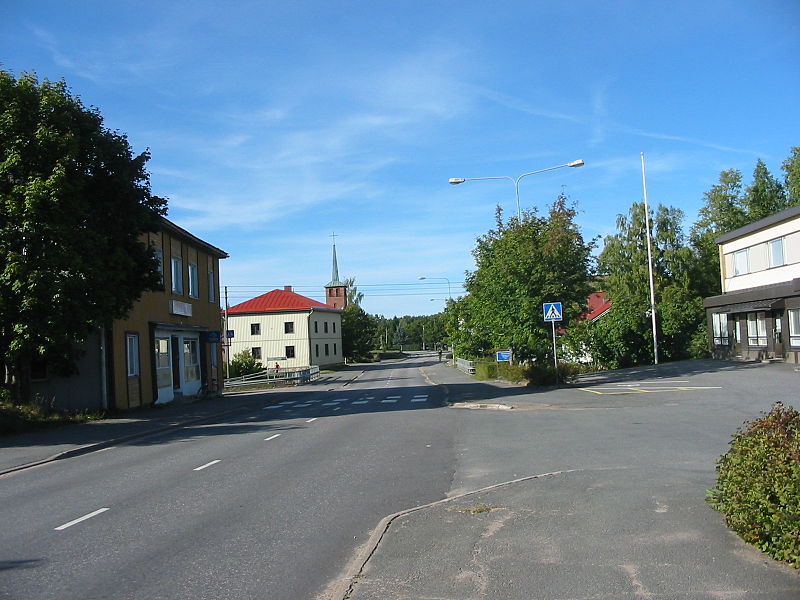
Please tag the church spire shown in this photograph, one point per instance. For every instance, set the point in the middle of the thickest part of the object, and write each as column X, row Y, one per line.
column 335, row 282
column 336, row 290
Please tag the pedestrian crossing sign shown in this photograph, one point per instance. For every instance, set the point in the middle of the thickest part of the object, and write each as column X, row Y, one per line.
column 552, row 311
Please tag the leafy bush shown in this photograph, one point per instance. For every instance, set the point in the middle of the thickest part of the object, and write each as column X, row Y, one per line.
column 243, row 363
column 758, row 484
column 545, row 374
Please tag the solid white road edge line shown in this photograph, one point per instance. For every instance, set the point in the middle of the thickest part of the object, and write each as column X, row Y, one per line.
column 83, row 518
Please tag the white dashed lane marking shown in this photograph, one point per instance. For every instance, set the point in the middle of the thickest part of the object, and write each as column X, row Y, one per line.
column 80, row 519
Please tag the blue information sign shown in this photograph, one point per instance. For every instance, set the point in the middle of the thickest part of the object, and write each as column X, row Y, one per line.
column 552, row 311
column 504, row 356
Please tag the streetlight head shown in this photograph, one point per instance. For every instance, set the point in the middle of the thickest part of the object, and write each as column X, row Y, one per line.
column 576, row 163
column 456, row 180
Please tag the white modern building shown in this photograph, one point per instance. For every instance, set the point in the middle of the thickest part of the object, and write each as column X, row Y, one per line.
column 757, row 316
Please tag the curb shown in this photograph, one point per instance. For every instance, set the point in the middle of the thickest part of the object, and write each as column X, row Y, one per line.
column 343, row 587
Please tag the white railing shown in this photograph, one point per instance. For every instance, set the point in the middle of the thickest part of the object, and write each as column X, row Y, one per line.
column 467, row 366
column 296, row 375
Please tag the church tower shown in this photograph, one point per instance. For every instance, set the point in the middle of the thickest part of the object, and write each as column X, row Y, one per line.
column 335, row 291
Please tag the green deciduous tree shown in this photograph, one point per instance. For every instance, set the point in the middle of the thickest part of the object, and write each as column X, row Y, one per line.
column 521, row 264
column 74, row 203
column 623, row 337
column 358, row 332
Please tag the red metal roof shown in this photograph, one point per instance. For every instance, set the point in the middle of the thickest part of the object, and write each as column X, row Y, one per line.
column 278, row 301
column 597, row 303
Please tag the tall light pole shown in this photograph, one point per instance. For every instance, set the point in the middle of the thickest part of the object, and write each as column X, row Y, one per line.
column 449, row 294
column 650, row 265
column 457, row 180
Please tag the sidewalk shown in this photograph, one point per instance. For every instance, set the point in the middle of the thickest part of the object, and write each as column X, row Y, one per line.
column 567, row 535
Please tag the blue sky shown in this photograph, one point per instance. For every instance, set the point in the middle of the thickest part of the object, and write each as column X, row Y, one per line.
column 274, row 124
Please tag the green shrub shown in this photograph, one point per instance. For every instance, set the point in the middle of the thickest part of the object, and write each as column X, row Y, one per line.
column 758, row 484
column 545, row 374
column 243, row 363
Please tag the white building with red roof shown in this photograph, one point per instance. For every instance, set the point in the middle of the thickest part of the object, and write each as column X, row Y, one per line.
column 286, row 328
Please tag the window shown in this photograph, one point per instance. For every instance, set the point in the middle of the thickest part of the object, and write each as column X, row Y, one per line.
column 212, row 286
column 327, row 352
column 316, row 350
column 326, row 326
column 177, row 275
column 256, row 352
column 756, row 329
column 191, row 360
column 288, row 327
column 194, row 281
column 334, row 349
column 794, row 327
column 334, row 329
column 160, row 258
column 255, row 328
column 740, row 264
column 132, row 354
column 289, row 351
column 316, row 326
column 720, row 325
column 163, row 363
column 775, row 248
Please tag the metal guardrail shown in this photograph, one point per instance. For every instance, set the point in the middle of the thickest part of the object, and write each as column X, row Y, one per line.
column 296, row 375
column 467, row 366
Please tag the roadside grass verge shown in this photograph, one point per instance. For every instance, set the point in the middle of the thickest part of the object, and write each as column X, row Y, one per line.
column 23, row 418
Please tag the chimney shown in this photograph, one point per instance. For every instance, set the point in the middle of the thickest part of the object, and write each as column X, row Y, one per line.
column 287, row 288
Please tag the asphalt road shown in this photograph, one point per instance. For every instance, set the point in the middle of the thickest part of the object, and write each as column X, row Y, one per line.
column 269, row 504
column 276, row 501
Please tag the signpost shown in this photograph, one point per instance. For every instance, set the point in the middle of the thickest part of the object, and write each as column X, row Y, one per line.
column 504, row 356
column 553, row 313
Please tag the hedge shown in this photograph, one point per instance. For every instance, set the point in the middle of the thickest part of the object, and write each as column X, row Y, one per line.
column 758, row 484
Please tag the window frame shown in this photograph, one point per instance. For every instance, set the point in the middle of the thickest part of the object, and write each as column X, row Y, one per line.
column 191, row 368
column 720, row 329
column 290, row 352
column 255, row 352
column 737, row 259
column 288, row 327
column 794, row 326
column 212, row 285
column 133, row 362
column 194, row 281
column 757, row 329
column 771, row 245
column 176, row 274
column 255, row 328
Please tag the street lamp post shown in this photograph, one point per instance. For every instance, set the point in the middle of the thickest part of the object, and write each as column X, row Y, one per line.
column 457, row 180
column 650, row 265
column 449, row 294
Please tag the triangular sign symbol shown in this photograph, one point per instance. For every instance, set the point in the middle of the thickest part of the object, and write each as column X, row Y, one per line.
column 553, row 314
